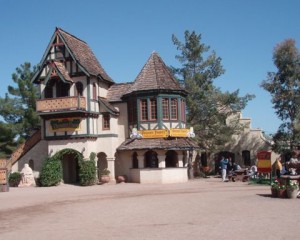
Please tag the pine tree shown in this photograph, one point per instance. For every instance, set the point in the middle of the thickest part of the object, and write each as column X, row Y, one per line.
column 208, row 108
column 17, row 108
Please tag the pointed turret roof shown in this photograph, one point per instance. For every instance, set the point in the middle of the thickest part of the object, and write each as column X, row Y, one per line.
column 155, row 75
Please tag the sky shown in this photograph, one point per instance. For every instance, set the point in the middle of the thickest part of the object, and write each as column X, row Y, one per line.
column 123, row 34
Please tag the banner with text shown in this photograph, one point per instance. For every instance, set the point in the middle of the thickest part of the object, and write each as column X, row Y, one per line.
column 264, row 162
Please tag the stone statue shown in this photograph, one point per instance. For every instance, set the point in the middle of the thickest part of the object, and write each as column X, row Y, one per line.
column 27, row 177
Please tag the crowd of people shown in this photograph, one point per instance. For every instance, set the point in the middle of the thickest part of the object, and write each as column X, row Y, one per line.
column 228, row 167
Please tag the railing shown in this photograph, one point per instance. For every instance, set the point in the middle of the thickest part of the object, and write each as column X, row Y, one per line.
column 63, row 103
column 26, row 146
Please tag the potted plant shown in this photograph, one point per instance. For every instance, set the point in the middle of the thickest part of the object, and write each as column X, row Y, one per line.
column 292, row 189
column 105, row 178
column 281, row 193
column 274, row 188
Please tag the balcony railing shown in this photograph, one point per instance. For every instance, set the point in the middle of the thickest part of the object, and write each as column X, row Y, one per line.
column 59, row 104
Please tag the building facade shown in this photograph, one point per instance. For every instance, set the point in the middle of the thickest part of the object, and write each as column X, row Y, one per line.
column 136, row 129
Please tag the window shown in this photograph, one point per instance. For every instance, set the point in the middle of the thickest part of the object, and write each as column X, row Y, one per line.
column 174, row 105
column 31, row 164
column 49, row 89
column 144, row 110
column 78, row 89
column 94, row 91
column 171, row 159
column 135, row 161
column 106, row 122
column 165, row 108
column 132, row 113
column 62, row 89
column 153, row 109
column 151, row 160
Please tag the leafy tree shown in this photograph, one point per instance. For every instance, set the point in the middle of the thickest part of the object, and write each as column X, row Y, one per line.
column 17, row 108
column 283, row 85
column 212, row 113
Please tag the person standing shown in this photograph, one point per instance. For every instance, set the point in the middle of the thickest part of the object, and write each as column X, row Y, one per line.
column 223, row 165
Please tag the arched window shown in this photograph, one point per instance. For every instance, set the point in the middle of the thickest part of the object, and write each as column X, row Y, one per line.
column 31, row 164
column 151, row 160
column 135, row 161
column 101, row 163
column 171, row 159
column 78, row 89
column 246, row 157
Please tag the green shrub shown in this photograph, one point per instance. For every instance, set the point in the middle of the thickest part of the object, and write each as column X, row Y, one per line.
column 87, row 171
column 14, row 179
column 51, row 173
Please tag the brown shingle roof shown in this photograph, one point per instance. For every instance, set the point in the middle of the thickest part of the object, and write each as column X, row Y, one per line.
column 155, row 75
column 84, row 55
column 116, row 91
column 63, row 71
column 158, row 143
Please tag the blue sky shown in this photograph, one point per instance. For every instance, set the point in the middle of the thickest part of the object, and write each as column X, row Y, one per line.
column 123, row 34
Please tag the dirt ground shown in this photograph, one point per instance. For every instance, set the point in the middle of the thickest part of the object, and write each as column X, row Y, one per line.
column 199, row 209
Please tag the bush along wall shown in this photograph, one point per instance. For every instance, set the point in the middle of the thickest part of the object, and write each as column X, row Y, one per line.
column 52, row 171
column 87, row 171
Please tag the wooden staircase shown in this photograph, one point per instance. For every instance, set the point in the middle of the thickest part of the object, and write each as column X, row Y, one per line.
column 25, row 147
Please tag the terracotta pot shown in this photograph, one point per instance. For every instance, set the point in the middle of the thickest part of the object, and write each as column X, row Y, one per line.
column 274, row 193
column 281, row 193
column 104, row 179
column 121, row 179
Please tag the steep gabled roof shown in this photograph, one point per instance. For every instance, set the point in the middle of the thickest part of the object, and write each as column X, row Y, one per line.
column 84, row 55
column 155, row 75
column 81, row 54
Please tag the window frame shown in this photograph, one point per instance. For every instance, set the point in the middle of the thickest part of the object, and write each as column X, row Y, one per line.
column 153, row 109
column 174, row 109
column 106, row 121
column 144, row 109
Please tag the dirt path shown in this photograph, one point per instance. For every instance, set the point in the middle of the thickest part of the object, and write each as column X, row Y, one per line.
column 199, row 209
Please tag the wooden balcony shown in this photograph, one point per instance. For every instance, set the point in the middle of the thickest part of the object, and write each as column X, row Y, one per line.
column 60, row 104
